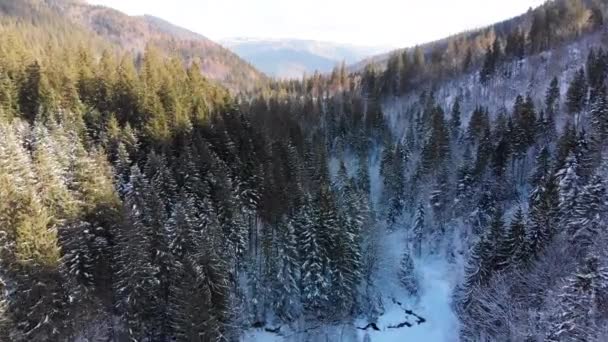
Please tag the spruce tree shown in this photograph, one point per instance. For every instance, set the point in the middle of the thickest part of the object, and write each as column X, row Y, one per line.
column 455, row 121
column 286, row 287
column 496, row 238
column 575, row 319
column 569, row 185
column 586, row 225
column 312, row 256
column 552, row 98
column 576, row 97
column 407, row 275
column 419, row 229
column 363, row 178
column 30, row 94
column 515, row 243
column 599, row 115
column 136, row 284
column 543, row 217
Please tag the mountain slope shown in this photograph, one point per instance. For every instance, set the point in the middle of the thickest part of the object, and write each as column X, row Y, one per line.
column 291, row 58
column 554, row 22
column 134, row 33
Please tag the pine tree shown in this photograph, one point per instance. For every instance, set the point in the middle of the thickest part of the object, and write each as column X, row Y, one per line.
column 484, row 153
column 363, row 179
column 491, row 61
column 193, row 246
column 569, row 189
column 565, row 146
column 587, row 156
column 406, row 71
column 596, row 68
column 543, row 220
column 515, row 247
column 478, row 272
column 419, row 229
column 516, row 45
column 496, row 239
column 455, row 121
column 122, row 168
column 161, row 178
column 395, row 185
column 407, row 275
column 576, row 97
column 599, row 115
column 77, row 257
column 586, row 225
column 287, row 291
column 136, row 283
column 500, row 158
column 440, row 198
column 354, row 215
column 437, row 148
column 32, row 92
column 465, row 179
column 478, row 124
column 542, row 168
column 552, row 98
column 5, row 320
column 575, row 319
column 314, row 284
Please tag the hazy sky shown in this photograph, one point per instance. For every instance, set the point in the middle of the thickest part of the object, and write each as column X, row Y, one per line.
column 397, row 23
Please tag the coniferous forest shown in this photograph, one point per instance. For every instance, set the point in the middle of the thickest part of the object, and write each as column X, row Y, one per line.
column 142, row 200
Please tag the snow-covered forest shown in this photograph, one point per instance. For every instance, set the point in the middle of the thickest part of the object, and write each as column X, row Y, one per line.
column 457, row 192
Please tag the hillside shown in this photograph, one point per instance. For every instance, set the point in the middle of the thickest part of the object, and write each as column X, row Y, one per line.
column 554, row 22
column 433, row 199
column 132, row 34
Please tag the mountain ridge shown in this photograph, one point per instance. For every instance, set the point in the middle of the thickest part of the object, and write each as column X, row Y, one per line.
column 291, row 57
column 125, row 33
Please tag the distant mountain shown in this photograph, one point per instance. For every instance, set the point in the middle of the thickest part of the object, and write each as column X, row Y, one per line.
column 291, row 58
column 125, row 33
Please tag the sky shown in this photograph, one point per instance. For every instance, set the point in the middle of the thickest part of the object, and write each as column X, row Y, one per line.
column 391, row 23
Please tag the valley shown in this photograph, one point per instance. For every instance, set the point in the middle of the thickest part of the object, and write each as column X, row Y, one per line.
column 156, row 186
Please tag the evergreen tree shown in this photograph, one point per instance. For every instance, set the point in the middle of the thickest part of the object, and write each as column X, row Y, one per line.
column 437, row 147
column 576, row 97
column 599, row 115
column 515, row 247
column 136, row 284
column 77, row 257
column 496, row 239
column 287, row 291
column 491, row 61
column 575, row 319
column 569, row 190
column 477, row 124
column 419, row 229
column 440, row 198
column 543, row 220
column 407, row 275
column 33, row 92
column 395, row 185
column 586, row 224
column 478, row 271
column 314, row 284
column 363, row 179
column 455, row 121
column 552, row 98
column 198, row 291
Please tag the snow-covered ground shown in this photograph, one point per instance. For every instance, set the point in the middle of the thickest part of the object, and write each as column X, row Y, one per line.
column 436, row 284
column 430, row 316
